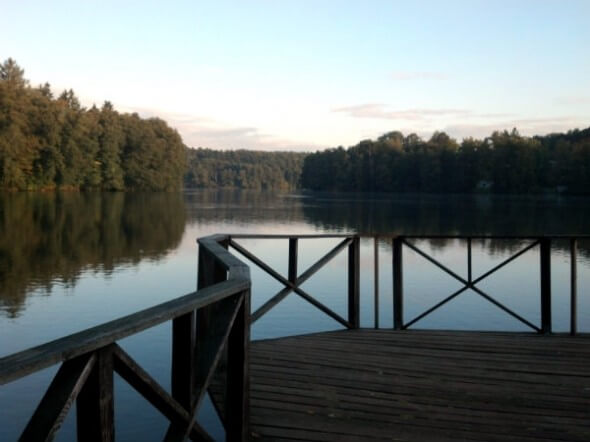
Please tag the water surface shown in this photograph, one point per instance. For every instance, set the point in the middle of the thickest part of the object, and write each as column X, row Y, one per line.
column 71, row 261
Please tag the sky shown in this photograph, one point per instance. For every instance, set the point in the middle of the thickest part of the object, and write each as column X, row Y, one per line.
column 311, row 74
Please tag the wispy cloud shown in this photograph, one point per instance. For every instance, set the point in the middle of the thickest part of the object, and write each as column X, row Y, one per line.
column 573, row 100
column 380, row 111
column 202, row 131
column 418, row 75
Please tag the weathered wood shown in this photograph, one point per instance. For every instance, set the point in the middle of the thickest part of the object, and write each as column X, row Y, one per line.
column 420, row 385
column 469, row 261
column 145, row 385
column 398, row 284
column 504, row 308
column 294, row 287
column 376, row 281
column 573, row 287
column 292, row 273
column 212, row 343
column 545, row 253
column 183, row 359
column 354, row 276
column 506, row 262
column 94, row 404
column 212, row 272
column 289, row 286
column 237, row 409
column 56, row 402
column 431, row 309
column 34, row 359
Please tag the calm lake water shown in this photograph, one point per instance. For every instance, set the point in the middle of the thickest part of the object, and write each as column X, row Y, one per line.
column 71, row 261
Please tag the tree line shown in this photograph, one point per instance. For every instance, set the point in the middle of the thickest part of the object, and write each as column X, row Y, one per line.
column 504, row 162
column 55, row 143
column 243, row 169
column 49, row 142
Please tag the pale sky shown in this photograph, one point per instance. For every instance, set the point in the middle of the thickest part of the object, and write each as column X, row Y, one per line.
column 311, row 74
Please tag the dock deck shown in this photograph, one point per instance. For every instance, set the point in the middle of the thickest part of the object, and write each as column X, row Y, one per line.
column 357, row 385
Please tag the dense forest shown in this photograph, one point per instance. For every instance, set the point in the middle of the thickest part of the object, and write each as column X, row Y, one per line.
column 48, row 142
column 55, row 143
column 504, row 162
column 244, row 169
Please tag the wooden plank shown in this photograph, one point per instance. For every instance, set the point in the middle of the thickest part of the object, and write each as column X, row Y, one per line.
column 293, row 287
column 34, row 359
column 56, row 402
column 398, row 284
column 376, row 282
column 423, row 385
column 213, row 341
column 145, row 385
column 95, row 413
column 573, row 287
column 237, row 407
column 354, row 277
column 183, row 359
column 545, row 253
column 292, row 272
column 289, row 286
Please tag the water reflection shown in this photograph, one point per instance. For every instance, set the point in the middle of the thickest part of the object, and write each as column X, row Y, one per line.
column 50, row 238
column 448, row 215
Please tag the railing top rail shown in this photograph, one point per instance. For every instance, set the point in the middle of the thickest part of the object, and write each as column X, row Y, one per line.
column 411, row 236
column 34, row 359
column 234, row 267
column 287, row 236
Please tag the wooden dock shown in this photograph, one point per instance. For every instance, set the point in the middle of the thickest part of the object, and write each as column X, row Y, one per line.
column 350, row 385
column 357, row 385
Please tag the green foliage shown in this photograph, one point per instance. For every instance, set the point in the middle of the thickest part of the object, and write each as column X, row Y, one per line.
column 505, row 162
column 244, row 169
column 49, row 237
column 48, row 143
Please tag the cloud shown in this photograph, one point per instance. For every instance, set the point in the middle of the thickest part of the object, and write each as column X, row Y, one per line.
column 221, row 136
column 202, row 131
column 572, row 100
column 418, row 75
column 378, row 110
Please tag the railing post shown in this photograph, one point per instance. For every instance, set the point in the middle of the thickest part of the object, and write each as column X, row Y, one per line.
column 292, row 260
column 573, row 287
column 354, row 282
column 545, row 285
column 237, row 392
column 376, row 279
column 183, row 359
column 398, row 290
column 94, row 405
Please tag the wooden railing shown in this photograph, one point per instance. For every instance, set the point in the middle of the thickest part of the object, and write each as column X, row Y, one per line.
column 292, row 283
column 208, row 326
column 544, row 244
column 211, row 336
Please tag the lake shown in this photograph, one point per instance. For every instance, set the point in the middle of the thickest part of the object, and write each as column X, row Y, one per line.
column 69, row 261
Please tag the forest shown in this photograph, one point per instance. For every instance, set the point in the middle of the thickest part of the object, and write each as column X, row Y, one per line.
column 505, row 162
column 244, row 169
column 49, row 142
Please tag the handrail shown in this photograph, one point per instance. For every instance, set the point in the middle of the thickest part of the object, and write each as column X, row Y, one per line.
column 543, row 241
column 294, row 280
column 211, row 334
column 90, row 358
column 37, row 358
